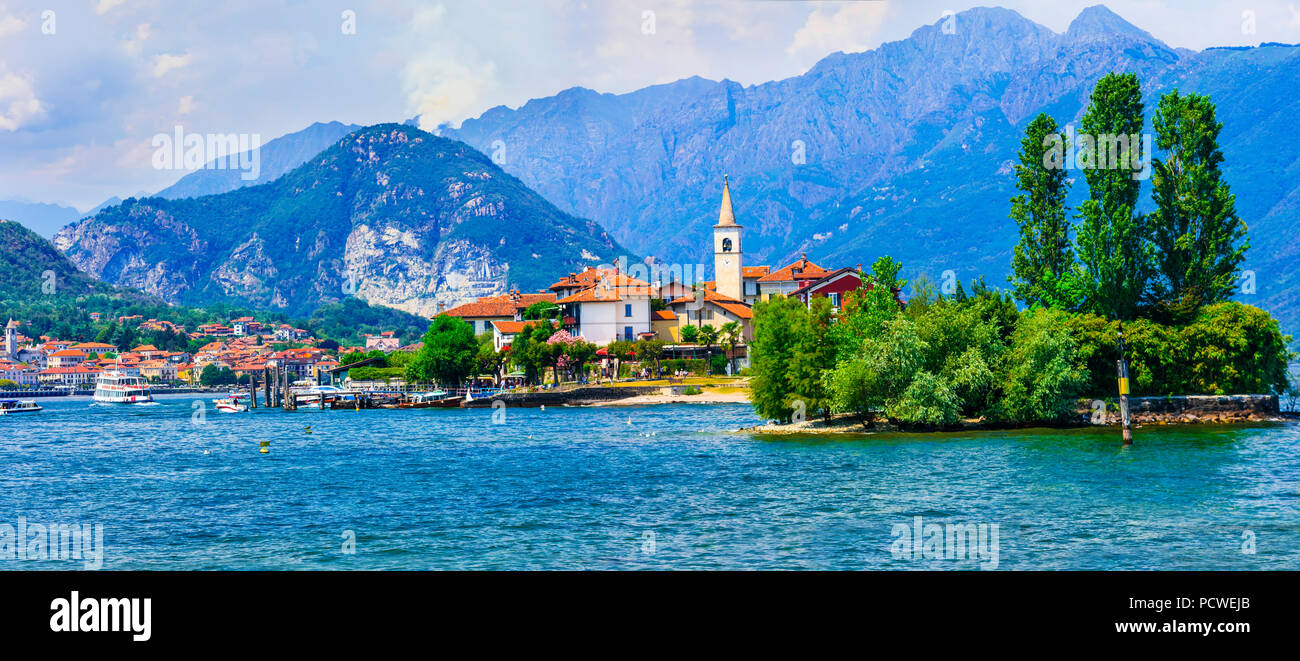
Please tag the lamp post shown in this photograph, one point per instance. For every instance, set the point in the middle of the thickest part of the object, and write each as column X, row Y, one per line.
column 1122, row 364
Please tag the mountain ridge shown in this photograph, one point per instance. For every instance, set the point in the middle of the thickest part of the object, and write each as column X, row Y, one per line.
column 906, row 147
column 390, row 213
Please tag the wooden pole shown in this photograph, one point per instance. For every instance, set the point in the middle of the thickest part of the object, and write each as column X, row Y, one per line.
column 266, row 386
column 252, row 391
column 1122, row 365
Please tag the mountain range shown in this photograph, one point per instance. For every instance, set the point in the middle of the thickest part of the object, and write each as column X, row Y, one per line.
column 904, row 150
column 390, row 214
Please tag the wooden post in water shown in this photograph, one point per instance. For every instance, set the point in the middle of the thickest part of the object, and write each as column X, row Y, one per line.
column 1122, row 364
column 266, row 386
column 252, row 391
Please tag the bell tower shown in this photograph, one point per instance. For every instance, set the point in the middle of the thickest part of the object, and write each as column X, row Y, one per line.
column 726, row 249
column 11, row 340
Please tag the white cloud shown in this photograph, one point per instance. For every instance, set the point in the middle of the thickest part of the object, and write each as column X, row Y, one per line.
column 18, row 102
column 168, row 62
column 849, row 27
column 136, row 43
column 106, row 6
column 186, row 105
column 10, row 25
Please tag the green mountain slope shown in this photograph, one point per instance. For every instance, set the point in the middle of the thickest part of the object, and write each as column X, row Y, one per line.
column 391, row 214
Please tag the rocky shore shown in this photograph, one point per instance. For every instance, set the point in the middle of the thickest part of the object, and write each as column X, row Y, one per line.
column 1192, row 409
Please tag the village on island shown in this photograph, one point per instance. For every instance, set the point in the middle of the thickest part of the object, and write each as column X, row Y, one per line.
column 659, row 327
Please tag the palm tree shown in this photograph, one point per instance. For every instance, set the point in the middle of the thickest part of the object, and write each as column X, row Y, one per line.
column 731, row 337
column 707, row 336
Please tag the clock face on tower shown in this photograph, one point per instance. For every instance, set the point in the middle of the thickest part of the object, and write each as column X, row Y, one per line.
column 726, row 261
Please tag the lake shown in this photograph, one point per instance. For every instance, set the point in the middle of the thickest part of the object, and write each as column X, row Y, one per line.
column 655, row 487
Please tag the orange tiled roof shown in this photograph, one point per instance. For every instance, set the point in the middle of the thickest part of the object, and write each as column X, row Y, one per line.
column 754, row 271
column 591, row 276
column 735, row 307
column 503, row 305
column 68, row 353
column 663, row 315
column 800, row 270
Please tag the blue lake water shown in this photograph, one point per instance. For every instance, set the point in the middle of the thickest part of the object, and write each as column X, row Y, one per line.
column 656, row 487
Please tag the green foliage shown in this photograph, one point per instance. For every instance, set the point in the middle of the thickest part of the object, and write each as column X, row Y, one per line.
column 1199, row 241
column 1229, row 348
column 448, row 354
column 789, row 354
column 691, row 390
column 541, row 310
column 690, row 334
column 217, row 376
column 1043, row 260
column 928, row 401
column 1113, row 245
column 350, row 319
column 369, row 373
column 875, row 377
column 1043, row 378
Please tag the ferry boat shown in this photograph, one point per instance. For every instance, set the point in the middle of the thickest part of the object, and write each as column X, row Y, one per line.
column 235, row 403
column 119, row 388
column 8, row 406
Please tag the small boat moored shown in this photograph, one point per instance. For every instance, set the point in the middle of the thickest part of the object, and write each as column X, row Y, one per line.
column 8, row 406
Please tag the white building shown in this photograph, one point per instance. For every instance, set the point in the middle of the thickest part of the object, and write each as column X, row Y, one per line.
column 606, row 313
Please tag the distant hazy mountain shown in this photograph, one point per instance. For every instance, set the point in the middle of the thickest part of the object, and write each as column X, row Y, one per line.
column 44, row 219
column 392, row 214
column 903, row 150
column 277, row 157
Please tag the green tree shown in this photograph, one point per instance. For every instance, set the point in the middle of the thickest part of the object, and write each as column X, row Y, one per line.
column 650, row 351
column 777, row 328
column 448, row 354
column 708, row 336
column 1199, row 240
column 1044, row 376
column 1043, row 260
column 541, row 310
column 812, row 358
column 873, row 379
column 690, row 333
column 731, row 335
column 1113, row 245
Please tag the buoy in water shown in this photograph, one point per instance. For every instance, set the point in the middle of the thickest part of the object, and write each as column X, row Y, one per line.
column 543, row 407
column 266, row 447
column 307, row 429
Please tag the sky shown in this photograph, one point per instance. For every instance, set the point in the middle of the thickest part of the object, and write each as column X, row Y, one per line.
column 86, row 86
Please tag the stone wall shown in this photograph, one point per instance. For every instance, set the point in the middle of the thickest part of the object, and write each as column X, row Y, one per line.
column 1194, row 408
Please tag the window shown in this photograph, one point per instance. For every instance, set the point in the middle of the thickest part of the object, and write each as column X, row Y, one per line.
column 726, row 245
column 835, row 299
column 627, row 309
column 627, row 333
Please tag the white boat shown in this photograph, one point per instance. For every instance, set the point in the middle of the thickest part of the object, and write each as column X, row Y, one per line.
column 233, row 404
column 8, row 406
column 118, row 388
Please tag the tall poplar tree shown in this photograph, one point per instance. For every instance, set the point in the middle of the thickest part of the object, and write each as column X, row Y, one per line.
column 1112, row 238
column 1199, row 240
column 1043, row 261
